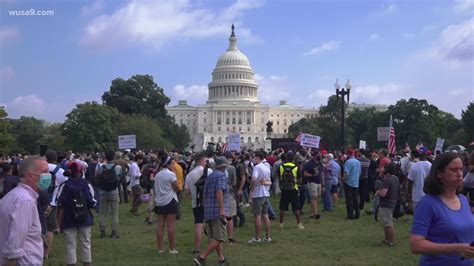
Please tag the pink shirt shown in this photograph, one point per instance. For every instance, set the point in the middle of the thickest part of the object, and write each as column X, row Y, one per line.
column 20, row 230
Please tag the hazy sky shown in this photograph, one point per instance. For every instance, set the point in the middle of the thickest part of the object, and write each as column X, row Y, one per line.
column 389, row 49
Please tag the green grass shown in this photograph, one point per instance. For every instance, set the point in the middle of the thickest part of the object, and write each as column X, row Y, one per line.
column 332, row 240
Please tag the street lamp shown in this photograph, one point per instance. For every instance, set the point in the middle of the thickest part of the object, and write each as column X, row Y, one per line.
column 343, row 92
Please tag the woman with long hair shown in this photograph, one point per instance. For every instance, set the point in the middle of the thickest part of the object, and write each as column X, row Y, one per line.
column 443, row 225
column 166, row 200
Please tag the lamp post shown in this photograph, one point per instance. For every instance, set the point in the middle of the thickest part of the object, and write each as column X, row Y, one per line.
column 343, row 92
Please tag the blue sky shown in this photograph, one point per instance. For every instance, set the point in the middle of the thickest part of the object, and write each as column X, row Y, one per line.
column 389, row 49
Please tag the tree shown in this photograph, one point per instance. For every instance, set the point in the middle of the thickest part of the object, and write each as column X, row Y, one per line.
column 142, row 96
column 6, row 138
column 29, row 134
column 54, row 138
column 417, row 120
column 177, row 135
column 91, row 127
column 147, row 131
column 359, row 121
column 137, row 95
column 467, row 118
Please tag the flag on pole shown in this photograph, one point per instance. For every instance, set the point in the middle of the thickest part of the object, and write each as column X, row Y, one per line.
column 298, row 138
column 392, row 147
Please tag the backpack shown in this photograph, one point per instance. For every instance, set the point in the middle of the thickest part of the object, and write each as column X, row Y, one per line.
column 52, row 186
column 90, row 174
column 145, row 179
column 79, row 206
column 200, row 187
column 107, row 179
column 248, row 173
column 287, row 178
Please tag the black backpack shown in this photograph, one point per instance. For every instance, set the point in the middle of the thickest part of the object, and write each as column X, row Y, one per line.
column 200, row 187
column 79, row 206
column 107, row 179
column 52, row 186
column 287, row 178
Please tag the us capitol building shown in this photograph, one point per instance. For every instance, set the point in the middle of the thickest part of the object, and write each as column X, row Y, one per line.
column 233, row 106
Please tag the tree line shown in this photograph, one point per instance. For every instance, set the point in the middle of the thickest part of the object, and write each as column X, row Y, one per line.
column 414, row 120
column 132, row 106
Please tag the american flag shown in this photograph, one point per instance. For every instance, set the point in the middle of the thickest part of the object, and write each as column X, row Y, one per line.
column 298, row 138
column 392, row 147
column 224, row 147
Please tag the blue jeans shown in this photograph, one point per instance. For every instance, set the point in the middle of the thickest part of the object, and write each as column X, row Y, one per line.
column 271, row 212
column 97, row 199
column 327, row 201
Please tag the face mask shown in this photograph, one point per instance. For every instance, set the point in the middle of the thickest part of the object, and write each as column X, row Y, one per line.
column 45, row 181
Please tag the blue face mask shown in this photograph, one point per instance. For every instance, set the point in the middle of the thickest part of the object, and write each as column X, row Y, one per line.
column 45, row 181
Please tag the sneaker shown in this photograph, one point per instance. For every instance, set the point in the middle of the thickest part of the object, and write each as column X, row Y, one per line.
column 198, row 260
column 385, row 242
column 173, row 252
column 232, row 241
column 102, row 234
column 246, row 205
column 115, row 235
column 161, row 251
column 195, row 252
column 254, row 240
column 222, row 262
column 300, row 226
column 267, row 239
column 281, row 226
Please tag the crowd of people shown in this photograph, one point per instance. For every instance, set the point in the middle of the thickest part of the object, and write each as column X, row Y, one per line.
column 41, row 195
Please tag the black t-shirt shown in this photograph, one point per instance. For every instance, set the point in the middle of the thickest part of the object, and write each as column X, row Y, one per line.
column 390, row 199
column 316, row 171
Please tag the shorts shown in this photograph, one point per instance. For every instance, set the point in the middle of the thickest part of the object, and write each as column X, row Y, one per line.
column 314, row 190
column 288, row 197
column 170, row 208
column 386, row 216
column 198, row 215
column 333, row 188
column 216, row 230
column 260, row 206
column 51, row 223
column 232, row 206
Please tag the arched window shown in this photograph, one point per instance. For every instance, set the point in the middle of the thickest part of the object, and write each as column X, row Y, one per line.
column 249, row 140
column 219, row 139
column 256, row 139
column 212, row 139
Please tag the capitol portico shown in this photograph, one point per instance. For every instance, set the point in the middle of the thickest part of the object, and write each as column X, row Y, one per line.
column 233, row 106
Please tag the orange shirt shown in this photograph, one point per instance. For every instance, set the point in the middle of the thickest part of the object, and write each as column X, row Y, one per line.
column 178, row 170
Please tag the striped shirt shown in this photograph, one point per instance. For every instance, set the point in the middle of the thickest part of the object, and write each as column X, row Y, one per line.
column 20, row 233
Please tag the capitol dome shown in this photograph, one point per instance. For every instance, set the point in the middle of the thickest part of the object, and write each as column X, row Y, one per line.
column 233, row 77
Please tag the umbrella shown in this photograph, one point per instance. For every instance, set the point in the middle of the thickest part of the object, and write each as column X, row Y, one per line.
column 455, row 148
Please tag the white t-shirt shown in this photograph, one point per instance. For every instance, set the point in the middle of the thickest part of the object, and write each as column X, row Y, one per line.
column 60, row 178
column 417, row 174
column 164, row 192
column 260, row 172
column 192, row 178
column 134, row 173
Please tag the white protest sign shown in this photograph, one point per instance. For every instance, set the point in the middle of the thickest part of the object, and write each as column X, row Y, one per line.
column 383, row 133
column 362, row 144
column 127, row 142
column 308, row 140
column 439, row 144
column 233, row 142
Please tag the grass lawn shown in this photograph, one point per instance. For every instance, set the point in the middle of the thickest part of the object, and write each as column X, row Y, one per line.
column 328, row 241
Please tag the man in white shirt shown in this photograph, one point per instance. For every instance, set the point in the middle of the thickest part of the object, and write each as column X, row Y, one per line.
column 260, row 196
column 134, row 174
column 416, row 179
column 190, row 188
